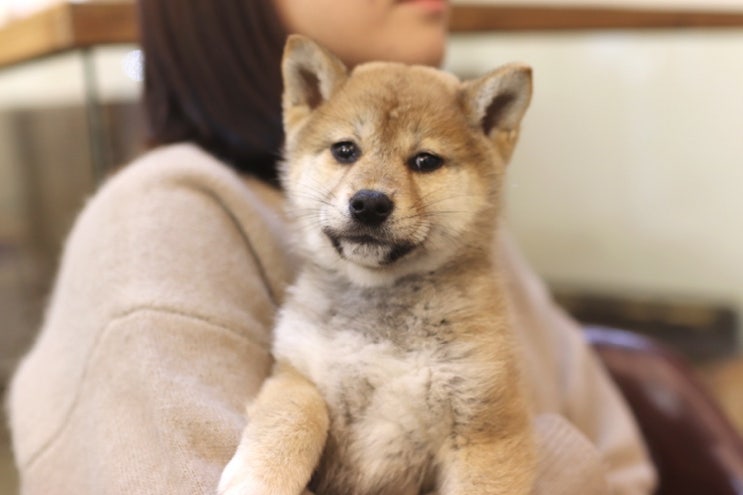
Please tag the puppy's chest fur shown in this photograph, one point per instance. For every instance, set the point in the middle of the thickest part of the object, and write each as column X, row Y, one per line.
column 404, row 371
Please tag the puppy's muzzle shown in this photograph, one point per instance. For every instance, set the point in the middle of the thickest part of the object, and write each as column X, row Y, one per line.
column 370, row 208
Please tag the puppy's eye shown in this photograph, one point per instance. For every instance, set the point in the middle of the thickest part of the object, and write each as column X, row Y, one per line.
column 345, row 152
column 425, row 162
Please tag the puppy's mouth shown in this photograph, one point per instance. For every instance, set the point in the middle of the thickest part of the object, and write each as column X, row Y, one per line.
column 366, row 249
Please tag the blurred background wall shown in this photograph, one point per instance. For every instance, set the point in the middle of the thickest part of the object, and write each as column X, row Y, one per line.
column 627, row 180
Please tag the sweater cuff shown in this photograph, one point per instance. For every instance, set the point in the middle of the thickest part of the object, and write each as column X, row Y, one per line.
column 567, row 462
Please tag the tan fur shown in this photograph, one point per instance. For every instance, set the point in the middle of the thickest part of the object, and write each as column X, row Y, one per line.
column 302, row 419
column 396, row 366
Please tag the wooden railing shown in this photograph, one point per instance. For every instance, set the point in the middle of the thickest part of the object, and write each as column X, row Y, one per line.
column 79, row 25
column 536, row 18
column 66, row 27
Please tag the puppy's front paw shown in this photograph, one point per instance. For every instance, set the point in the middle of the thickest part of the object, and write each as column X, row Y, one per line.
column 240, row 477
column 241, row 483
column 237, row 479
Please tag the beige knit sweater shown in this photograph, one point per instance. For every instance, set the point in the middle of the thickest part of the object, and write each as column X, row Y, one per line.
column 157, row 333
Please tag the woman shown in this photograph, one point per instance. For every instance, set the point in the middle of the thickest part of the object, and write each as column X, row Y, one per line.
column 158, row 327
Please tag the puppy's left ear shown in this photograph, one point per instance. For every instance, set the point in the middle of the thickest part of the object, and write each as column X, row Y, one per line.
column 311, row 75
column 496, row 103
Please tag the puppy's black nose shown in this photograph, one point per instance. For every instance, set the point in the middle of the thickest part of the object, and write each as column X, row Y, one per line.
column 370, row 207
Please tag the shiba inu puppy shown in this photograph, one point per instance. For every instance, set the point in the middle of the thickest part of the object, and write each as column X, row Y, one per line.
column 396, row 372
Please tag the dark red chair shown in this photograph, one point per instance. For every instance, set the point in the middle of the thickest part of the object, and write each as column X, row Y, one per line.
column 695, row 448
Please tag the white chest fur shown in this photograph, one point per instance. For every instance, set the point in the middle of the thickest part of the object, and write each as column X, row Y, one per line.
column 400, row 373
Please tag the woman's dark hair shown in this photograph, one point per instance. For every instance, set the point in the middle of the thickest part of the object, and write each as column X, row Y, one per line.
column 212, row 76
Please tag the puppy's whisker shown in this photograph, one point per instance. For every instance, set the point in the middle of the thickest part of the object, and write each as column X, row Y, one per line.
column 429, row 215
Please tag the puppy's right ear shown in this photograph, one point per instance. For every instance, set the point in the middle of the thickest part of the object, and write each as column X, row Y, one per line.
column 311, row 75
column 496, row 102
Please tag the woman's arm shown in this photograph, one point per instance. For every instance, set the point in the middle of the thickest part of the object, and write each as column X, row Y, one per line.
column 156, row 334
column 567, row 379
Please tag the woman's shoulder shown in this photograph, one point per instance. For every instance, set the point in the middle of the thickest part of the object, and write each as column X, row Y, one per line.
column 176, row 183
column 176, row 216
column 185, row 166
column 172, row 255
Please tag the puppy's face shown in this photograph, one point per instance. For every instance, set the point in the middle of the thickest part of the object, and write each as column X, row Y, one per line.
column 390, row 170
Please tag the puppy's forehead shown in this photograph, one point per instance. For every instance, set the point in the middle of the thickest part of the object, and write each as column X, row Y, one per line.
column 402, row 83
column 391, row 99
column 406, row 75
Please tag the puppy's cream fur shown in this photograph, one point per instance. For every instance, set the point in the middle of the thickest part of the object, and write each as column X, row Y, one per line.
column 395, row 370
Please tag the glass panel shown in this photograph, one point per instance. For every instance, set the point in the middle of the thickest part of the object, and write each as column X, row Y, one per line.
column 65, row 122
column 45, row 171
column 116, row 81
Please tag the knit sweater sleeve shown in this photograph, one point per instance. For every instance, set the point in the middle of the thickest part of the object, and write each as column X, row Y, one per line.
column 568, row 381
column 155, row 336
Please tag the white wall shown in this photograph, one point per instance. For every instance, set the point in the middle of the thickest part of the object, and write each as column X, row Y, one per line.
column 629, row 174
